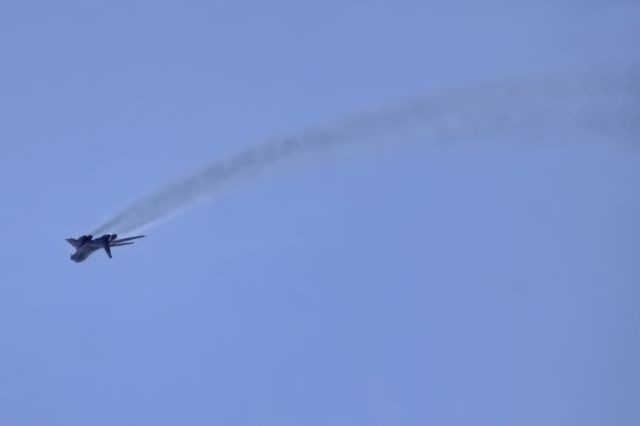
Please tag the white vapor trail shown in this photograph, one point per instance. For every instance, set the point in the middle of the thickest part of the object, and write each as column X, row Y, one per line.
column 604, row 105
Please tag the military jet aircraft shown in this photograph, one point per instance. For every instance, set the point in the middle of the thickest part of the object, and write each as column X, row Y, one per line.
column 86, row 245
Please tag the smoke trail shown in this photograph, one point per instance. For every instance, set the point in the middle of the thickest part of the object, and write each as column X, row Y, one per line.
column 604, row 105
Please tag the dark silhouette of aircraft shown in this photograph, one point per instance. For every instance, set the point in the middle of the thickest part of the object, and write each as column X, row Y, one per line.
column 86, row 245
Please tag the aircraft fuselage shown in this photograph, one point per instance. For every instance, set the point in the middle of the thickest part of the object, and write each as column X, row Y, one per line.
column 86, row 245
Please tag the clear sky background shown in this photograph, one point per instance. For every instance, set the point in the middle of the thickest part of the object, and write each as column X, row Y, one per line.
column 490, row 282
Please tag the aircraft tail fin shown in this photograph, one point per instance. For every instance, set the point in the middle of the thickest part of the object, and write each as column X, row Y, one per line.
column 74, row 242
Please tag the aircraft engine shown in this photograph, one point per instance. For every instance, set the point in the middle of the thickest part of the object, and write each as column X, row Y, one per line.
column 113, row 237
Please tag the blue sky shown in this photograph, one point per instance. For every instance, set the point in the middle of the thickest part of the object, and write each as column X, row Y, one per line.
column 487, row 282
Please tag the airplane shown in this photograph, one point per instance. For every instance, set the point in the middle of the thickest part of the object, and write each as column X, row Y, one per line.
column 86, row 244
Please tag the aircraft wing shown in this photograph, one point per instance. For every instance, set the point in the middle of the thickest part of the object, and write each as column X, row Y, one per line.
column 120, row 244
column 107, row 248
column 123, row 240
